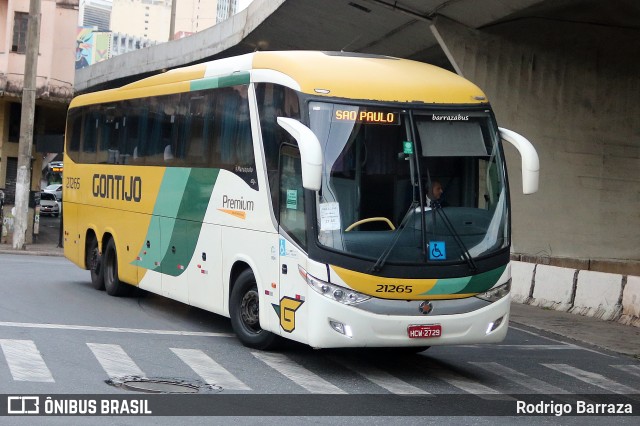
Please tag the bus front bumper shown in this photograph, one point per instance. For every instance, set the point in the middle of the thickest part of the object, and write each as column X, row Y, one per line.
column 332, row 324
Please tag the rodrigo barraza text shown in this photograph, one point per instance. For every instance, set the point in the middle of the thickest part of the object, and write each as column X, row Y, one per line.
column 580, row 407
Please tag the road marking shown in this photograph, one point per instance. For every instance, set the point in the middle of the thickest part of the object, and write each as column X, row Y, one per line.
column 209, row 370
column 593, row 379
column 114, row 360
column 113, row 329
column 566, row 346
column 465, row 384
column 520, row 378
column 629, row 369
column 25, row 361
column 380, row 377
column 295, row 372
column 560, row 342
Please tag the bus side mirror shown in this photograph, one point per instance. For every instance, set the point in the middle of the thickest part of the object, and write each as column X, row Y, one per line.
column 530, row 160
column 310, row 152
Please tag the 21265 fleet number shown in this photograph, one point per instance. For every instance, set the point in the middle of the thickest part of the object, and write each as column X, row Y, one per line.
column 394, row 288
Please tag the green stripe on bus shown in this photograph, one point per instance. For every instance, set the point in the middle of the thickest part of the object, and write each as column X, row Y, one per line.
column 225, row 81
column 175, row 226
column 449, row 286
column 188, row 223
column 466, row 285
column 483, row 282
column 174, row 181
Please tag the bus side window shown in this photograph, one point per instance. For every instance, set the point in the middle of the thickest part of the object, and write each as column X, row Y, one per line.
column 194, row 146
column 275, row 101
column 292, row 218
column 74, row 132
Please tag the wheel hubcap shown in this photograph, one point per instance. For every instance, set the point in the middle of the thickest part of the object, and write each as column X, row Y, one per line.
column 249, row 311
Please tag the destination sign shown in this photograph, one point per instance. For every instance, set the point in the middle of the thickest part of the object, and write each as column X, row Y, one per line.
column 367, row 116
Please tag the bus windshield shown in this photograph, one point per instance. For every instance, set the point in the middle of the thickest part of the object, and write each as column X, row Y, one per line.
column 410, row 186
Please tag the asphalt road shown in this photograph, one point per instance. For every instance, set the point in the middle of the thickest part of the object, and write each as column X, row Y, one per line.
column 59, row 336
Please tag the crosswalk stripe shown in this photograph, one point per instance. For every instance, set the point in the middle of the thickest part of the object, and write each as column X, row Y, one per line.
column 381, row 378
column 629, row 369
column 592, row 378
column 520, row 378
column 465, row 384
column 295, row 372
column 114, row 360
column 209, row 370
column 25, row 361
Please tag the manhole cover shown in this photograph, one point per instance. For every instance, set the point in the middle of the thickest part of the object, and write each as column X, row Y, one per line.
column 162, row 385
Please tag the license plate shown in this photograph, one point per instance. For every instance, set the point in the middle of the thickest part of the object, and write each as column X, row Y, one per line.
column 424, row 331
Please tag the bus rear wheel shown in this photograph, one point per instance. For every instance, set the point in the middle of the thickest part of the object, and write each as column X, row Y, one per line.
column 244, row 307
column 112, row 283
column 94, row 263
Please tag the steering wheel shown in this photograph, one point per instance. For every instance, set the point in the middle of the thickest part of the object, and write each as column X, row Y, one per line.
column 370, row 219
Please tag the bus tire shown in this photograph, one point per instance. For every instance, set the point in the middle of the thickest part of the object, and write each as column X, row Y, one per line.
column 244, row 311
column 94, row 263
column 112, row 283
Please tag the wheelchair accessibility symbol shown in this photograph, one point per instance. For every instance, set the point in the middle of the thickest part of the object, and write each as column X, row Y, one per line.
column 437, row 250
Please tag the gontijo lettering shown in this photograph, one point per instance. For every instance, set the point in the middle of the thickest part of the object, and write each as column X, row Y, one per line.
column 364, row 116
column 117, row 187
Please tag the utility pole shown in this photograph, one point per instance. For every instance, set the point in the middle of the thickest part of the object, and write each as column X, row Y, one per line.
column 23, row 180
column 172, row 21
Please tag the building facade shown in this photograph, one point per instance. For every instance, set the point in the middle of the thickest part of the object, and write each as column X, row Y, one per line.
column 54, row 83
column 95, row 14
column 226, row 9
column 150, row 19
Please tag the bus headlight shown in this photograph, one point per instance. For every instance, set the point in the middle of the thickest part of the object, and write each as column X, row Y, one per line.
column 496, row 293
column 332, row 291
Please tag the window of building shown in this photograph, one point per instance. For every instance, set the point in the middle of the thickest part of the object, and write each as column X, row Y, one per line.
column 20, row 21
column 15, row 117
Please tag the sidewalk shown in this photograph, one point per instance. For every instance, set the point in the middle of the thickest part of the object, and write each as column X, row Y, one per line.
column 610, row 335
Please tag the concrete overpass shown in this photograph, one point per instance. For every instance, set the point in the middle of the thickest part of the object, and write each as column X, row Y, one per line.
column 565, row 73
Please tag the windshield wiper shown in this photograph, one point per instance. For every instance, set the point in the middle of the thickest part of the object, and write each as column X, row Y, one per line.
column 377, row 267
column 436, row 207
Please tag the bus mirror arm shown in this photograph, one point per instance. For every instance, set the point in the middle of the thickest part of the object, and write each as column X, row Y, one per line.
column 530, row 160
column 310, row 152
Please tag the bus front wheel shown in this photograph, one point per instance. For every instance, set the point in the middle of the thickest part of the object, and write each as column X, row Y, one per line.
column 112, row 282
column 245, row 309
column 94, row 263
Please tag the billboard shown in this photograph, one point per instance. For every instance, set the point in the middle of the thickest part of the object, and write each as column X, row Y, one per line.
column 92, row 46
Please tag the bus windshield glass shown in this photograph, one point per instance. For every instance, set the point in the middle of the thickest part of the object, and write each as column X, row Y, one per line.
column 410, row 186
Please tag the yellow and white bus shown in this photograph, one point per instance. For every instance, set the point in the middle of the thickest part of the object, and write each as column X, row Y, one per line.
column 290, row 191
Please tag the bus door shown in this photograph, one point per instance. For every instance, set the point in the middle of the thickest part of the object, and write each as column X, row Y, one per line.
column 293, row 224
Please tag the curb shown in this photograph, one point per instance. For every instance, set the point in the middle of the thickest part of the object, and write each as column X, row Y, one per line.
column 44, row 252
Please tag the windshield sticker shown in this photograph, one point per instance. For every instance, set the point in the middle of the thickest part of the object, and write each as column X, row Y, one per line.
column 292, row 199
column 437, row 250
column 407, row 147
column 329, row 217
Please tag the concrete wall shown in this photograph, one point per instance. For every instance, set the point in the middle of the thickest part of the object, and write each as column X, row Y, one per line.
column 612, row 297
column 572, row 90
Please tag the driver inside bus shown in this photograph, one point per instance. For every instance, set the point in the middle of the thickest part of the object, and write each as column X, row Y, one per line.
column 434, row 194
